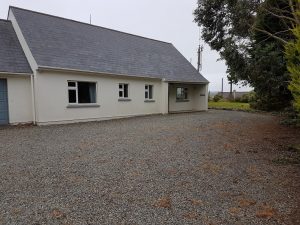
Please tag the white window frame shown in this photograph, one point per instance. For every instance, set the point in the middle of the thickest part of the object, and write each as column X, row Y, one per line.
column 184, row 94
column 147, row 90
column 122, row 89
column 76, row 90
column 73, row 88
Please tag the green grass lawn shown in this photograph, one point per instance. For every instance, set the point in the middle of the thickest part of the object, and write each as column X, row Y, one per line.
column 229, row 105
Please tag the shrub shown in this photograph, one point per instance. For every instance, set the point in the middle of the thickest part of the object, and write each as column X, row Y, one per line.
column 244, row 98
column 249, row 97
column 209, row 96
column 290, row 117
column 217, row 98
column 238, row 99
column 268, row 103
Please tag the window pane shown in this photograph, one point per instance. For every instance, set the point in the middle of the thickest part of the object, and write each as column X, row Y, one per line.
column 120, row 94
column 92, row 90
column 72, row 96
column 86, row 92
column 146, row 87
column 125, row 90
column 185, row 93
column 120, row 86
column 150, row 92
column 146, row 94
column 71, row 84
column 179, row 93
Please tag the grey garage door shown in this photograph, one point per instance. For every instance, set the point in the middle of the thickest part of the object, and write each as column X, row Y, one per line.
column 3, row 102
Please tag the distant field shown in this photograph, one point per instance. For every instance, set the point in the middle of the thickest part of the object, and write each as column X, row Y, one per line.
column 229, row 105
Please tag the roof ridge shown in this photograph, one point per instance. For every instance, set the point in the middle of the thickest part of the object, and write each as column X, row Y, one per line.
column 84, row 23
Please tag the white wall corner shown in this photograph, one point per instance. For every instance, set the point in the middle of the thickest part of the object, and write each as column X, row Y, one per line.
column 206, row 97
column 165, row 97
column 32, row 62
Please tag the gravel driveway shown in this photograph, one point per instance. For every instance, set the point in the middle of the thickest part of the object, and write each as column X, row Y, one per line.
column 216, row 167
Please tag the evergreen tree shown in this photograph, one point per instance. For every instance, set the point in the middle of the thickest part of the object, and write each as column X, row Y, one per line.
column 293, row 62
column 241, row 31
column 267, row 65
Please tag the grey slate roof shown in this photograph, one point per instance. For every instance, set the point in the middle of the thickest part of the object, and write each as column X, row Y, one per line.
column 63, row 43
column 12, row 57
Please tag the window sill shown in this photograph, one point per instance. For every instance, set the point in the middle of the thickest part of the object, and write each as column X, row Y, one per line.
column 149, row 100
column 124, row 99
column 182, row 100
column 91, row 105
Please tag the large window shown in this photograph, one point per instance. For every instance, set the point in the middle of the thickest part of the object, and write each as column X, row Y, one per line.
column 148, row 92
column 81, row 92
column 181, row 93
column 123, row 91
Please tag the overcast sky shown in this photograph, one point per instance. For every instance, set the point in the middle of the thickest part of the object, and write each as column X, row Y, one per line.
column 166, row 20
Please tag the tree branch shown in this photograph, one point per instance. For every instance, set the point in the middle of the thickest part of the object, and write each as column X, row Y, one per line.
column 270, row 34
column 274, row 34
column 280, row 16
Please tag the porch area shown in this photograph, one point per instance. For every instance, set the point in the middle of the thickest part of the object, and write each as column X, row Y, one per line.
column 187, row 97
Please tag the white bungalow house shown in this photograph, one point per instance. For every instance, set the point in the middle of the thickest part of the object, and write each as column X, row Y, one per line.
column 56, row 70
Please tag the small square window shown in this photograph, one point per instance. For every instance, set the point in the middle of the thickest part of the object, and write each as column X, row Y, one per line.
column 149, row 92
column 123, row 91
column 181, row 93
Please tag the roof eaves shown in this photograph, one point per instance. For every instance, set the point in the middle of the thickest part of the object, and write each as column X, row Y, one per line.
column 15, row 73
column 186, row 82
column 58, row 69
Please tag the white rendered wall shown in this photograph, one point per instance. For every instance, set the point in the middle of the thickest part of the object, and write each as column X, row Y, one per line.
column 165, row 98
column 52, row 99
column 200, row 97
column 19, row 99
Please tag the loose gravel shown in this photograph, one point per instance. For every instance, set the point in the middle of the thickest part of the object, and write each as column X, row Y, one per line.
column 216, row 167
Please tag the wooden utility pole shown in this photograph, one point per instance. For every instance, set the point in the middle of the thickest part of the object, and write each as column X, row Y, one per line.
column 199, row 63
column 222, row 86
column 230, row 94
column 200, row 50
